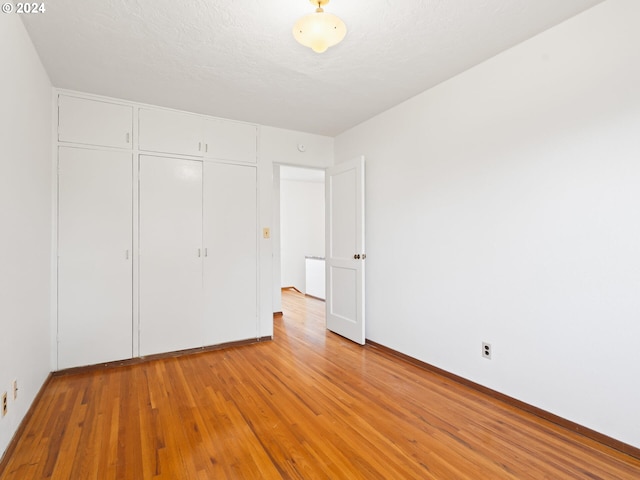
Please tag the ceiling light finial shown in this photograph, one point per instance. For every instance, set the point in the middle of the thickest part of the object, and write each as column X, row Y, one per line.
column 319, row 30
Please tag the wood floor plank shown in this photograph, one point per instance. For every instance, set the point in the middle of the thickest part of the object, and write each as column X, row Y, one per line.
column 309, row 405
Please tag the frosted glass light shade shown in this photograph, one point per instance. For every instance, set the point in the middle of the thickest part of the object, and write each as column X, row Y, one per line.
column 319, row 30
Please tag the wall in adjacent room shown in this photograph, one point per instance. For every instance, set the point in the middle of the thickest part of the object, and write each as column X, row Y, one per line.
column 301, row 228
column 26, row 219
column 504, row 206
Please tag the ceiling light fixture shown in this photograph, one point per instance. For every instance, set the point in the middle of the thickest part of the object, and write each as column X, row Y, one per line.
column 319, row 30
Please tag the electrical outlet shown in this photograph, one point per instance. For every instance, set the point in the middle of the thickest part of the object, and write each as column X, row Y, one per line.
column 15, row 389
column 5, row 406
column 486, row 350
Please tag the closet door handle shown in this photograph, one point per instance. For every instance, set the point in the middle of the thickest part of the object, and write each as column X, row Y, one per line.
column 206, row 147
column 128, row 137
column 126, row 254
column 206, row 253
column 199, row 252
column 199, row 146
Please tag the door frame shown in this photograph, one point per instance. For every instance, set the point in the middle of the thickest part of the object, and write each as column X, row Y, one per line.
column 276, row 230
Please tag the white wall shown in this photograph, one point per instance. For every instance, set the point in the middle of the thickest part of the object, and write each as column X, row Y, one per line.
column 301, row 228
column 26, row 220
column 265, row 246
column 278, row 145
column 503, row 206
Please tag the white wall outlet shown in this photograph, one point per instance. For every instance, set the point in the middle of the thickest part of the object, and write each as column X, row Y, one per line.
column 14, row 385
column 486, row 350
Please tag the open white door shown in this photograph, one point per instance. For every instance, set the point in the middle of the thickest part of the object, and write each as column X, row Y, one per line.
column 345, row 255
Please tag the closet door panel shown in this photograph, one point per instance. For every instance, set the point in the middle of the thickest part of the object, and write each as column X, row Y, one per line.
column 94, row 257
column 227, row 140
column 170, row 132
column 93, row 122
column 170, row 254
column 230, row 264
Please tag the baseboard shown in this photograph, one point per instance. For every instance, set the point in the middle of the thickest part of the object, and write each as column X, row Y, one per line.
column 312, row 296
column 562, row 422
column 23, row 424
column 291, row 288
column 305, row 294
column 159, row 356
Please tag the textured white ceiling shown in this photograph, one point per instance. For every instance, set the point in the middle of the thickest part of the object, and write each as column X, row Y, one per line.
column 238, row 59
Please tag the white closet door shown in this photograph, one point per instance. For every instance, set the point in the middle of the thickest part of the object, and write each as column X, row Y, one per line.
column 228, row 140
column 170, row 254
column 170, row 132
column 94, row 257
column 93, row 122
column 230, row 240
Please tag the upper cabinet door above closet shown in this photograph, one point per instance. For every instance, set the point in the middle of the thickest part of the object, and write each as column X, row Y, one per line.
column 227, row 140
column 92, row 122
column 167, row 131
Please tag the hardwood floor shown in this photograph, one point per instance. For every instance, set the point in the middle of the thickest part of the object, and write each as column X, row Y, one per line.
column 308, row 405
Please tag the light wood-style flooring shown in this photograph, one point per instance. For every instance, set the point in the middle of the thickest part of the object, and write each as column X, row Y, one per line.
column 308, row 405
